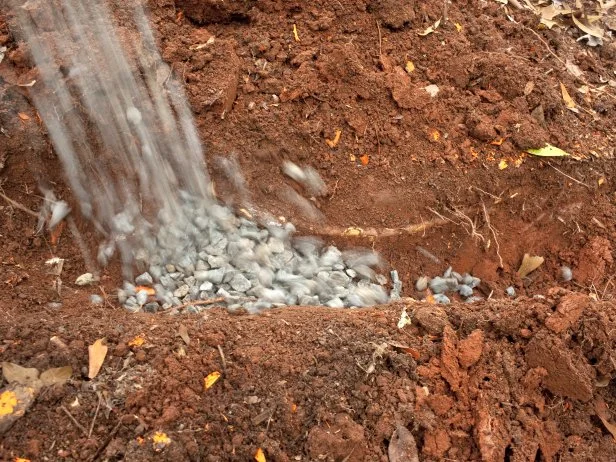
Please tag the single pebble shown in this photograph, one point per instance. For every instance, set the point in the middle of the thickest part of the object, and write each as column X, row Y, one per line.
column 144, row 279
column 438, row 285
column 422, row 283
column 464, row 290
column 447, row 273
column 510, row 291
column 381, row 279
column 565, row 273
column 85, row 279
column 96, row 299
column 251, row 106
column 441, row 298
column 474, row 299
column 141, row 297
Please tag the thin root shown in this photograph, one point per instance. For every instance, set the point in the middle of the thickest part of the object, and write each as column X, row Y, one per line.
column 493, row 231
column 17, row 205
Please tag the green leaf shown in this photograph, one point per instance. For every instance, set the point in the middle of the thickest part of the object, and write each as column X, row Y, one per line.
column 548, row 151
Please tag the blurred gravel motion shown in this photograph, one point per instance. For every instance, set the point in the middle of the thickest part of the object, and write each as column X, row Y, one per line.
column 121, row 126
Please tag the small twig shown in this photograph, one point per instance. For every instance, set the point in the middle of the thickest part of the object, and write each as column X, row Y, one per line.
column 209, row 301
column 383, row 232
column 473, row 231
column 445, row 10
column 570, row 177
column 222, row 357
column 100, row 450
column 98, row 405
column 496, row 198
column 77, row 424
column 334, row 190
column 105, row 297
column 18, row 205
column 442, row 217
column 487, row 218
column 378, row 26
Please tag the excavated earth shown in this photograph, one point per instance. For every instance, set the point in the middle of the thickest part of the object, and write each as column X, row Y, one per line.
column 504, row 379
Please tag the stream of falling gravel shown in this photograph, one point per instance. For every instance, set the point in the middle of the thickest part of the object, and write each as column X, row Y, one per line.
column 126, row 137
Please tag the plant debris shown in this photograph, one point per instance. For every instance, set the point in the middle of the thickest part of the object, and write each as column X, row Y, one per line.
column 529, row 264
column 97, row 353
column 211, row 379
column 548, row 151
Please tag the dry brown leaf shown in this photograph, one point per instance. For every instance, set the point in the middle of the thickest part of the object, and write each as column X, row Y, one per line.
column 22, row 375
column 183, row 332
column 529, row 264
column 96, row 352
column 602, row 413
column 56, row 376
column 529, row 87
column 594, row 31
column 430, row 29
column 573, row 69
column 567, row 98
column 23, row 116
column 402, row 446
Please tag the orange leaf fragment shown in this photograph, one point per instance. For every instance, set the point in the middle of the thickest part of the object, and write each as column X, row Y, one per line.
column 137, row 341
column 23, row 116
column 364, row 159
column 333, row 143
column 54, row 234
column 146, row 289
column 294, row 408
column 434, row 135
column 260, row 456
column 498, row 142
column 211, row 379
column 413, row 352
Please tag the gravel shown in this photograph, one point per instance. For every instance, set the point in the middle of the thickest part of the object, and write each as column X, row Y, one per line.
column 212, row 253
column 566, row 274
column 510, row 291
column 422, row 283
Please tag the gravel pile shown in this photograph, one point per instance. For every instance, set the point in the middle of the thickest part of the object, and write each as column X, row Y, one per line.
column 451, row 282
column 216, row 254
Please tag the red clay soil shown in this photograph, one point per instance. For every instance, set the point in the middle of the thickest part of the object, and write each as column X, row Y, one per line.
column 504, row 380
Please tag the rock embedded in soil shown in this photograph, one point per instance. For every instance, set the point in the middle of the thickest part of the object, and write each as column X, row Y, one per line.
column 568, row 373
column 568, row 312
column 432, row 318
column 470, row 349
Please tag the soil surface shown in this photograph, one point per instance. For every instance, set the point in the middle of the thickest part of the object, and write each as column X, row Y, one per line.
column 500, row 380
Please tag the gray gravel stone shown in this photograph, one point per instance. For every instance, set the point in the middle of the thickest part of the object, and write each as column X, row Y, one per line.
column 141, row 297
column 510, row 291
column 422, row 283
column 464, row 290
column 474, row 299
column 217, row 261
column 96, row 299
column 566, row 274
column 181, row 291
column 441, row 298
column 439, row 285
column 335, row 303
column 152, row 307
column 240, row 283
column 144, row 279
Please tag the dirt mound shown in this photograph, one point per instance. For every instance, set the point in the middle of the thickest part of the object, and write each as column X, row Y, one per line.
column 498, row 382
